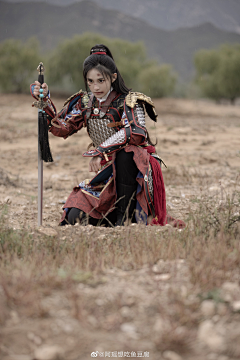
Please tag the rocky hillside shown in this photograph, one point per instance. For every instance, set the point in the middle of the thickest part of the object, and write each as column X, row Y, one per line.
column 172, row 14
column 51, row 24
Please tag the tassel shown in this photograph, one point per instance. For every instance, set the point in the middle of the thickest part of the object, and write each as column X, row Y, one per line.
column 43, row 140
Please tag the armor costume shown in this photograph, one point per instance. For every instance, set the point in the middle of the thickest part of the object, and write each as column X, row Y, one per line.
column 117, row 124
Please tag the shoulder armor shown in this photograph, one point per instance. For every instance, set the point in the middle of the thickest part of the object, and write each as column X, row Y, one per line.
column 85, row 100
column 133, row 97
column 80, row 92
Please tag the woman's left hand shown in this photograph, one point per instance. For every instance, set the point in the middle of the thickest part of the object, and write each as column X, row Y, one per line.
column 95, row 164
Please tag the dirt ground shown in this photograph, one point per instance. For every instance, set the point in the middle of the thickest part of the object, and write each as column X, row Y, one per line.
column 200, row 143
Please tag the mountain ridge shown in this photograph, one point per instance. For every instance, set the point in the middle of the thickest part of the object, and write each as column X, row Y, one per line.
column 171, row 14
column 52, row 24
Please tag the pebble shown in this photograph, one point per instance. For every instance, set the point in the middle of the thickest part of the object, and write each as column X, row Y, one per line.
column 129, row 329
column 8, row 200
column 235, row 305
column 161, row 325
column 214, row 189
column 171, row 355
column 207, row 308
column 208, row 335
column 126, row 312
column 162, row 277
column 230, row 291
column 34, row 338
column 48, row 352
column 48, row 231
column 222, row 309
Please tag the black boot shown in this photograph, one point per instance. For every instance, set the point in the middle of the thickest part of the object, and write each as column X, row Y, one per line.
column 126, row 204
column 76, row 215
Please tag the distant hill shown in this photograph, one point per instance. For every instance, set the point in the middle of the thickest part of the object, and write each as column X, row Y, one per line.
column 51, row 24
column 172, row 14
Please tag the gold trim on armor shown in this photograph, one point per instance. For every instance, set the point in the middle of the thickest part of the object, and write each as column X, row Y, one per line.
column 133, row 97
column 72, row 96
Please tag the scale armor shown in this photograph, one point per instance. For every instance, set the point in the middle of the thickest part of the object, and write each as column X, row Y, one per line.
column 98, row 130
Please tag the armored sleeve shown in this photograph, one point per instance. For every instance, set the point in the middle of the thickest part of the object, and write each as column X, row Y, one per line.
column 69, row 120
column 133, row 132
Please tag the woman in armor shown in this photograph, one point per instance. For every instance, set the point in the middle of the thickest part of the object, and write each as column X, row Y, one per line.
column 128, row 184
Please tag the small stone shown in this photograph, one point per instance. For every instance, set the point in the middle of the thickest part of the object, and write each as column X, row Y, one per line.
column 93, row 321
column 161, row 325
column 208, row 335
column 126, row 312
column 184, row 291
column 171, row 355
column 100, row 302
column 215, row 318
column 214, row 189
column 207, row 308
column 230, row 291
column 235, row 305
column 49, row 352
column 162, row 277
column 8, row 200
column 48, row 231
column 221, row 309
column 14, row 317
column 129, row 329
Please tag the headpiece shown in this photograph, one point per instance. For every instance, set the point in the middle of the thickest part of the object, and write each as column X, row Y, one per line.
column 98, row 52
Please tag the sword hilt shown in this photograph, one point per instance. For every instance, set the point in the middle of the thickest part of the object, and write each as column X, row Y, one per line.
column 41, row 70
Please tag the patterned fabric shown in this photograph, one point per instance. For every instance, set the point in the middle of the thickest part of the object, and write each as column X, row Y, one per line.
column 75, row 111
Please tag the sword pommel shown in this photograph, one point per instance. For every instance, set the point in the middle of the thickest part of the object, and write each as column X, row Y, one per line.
column 41, row 68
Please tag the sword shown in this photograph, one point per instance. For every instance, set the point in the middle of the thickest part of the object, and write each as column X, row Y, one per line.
column 44, row 152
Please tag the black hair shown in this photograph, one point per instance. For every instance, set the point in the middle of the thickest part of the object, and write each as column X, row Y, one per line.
column 104, row 62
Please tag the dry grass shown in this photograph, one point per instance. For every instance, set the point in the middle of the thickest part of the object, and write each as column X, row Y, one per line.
column 135, row 288
column 33, row 266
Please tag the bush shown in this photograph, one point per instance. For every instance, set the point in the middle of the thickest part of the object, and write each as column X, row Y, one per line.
column 138, row 72
column 218, row 72
column 17, row 65
column 158, row 81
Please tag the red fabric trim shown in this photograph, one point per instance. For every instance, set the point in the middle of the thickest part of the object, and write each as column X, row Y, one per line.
column 99, row 53
column 158, row 190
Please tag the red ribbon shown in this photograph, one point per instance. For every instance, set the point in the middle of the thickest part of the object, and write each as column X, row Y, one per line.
column 99, row 53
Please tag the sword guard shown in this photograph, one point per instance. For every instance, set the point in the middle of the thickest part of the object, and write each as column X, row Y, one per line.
column 40, row 104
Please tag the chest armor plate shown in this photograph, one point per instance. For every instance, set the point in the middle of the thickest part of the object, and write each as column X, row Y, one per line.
column 97, row 127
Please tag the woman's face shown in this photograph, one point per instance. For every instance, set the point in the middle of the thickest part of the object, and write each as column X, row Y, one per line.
column 99, row 85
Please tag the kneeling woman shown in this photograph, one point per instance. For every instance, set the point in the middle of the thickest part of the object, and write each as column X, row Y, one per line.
column 128, row 183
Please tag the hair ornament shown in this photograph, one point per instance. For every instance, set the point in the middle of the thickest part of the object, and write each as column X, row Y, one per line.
column 98, row 52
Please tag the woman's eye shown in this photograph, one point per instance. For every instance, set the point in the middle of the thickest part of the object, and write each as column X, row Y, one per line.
column 90, row 81
column 101, row 80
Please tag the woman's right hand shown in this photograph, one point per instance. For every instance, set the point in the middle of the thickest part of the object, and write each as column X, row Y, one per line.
column 37, row 88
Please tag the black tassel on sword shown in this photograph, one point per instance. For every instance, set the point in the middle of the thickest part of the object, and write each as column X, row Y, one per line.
column 43, row 139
